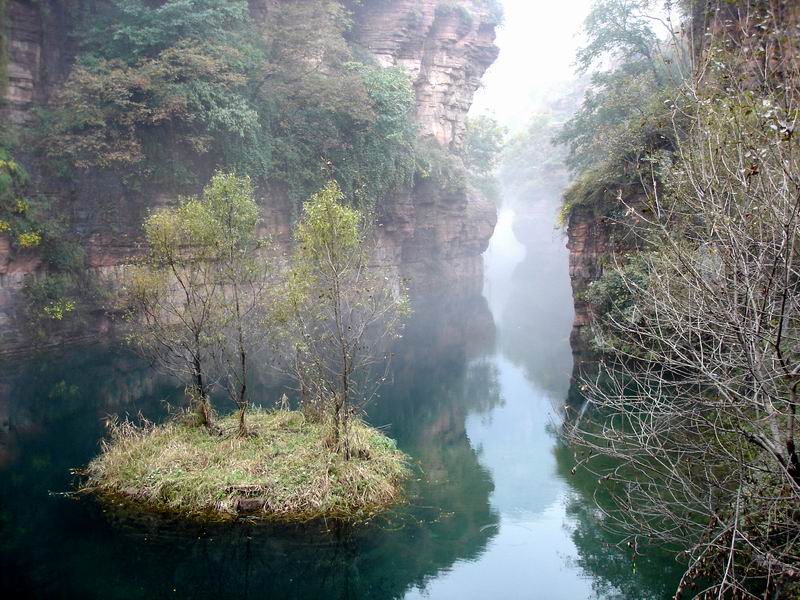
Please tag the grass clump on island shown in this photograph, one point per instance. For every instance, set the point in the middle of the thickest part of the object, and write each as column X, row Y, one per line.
column 208, row 297
column 284, row 469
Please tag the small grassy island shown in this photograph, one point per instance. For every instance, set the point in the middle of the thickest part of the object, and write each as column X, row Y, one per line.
column 283, row 469
column 204, row 305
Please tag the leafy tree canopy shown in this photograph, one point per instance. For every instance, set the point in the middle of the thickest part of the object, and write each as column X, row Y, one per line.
column 131, row 29
column 170, row 92
column 627, row 111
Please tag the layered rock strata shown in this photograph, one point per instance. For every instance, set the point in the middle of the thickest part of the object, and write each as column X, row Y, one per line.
column 445, row 48
column 594, row 238
column 432, row 238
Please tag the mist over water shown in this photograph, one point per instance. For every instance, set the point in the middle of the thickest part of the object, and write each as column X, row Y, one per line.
column 476, row 400
column 537, row 42
column 504, row 255
column 515, row 439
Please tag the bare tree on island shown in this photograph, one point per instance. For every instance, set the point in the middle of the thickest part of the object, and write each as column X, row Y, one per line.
column 196, row 299
column 243, row 269
column 174, row 298
column 696, row 401
column 338, row 314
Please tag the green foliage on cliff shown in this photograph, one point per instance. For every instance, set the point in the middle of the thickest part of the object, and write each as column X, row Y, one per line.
column 440, row 168
column 453, row 7
column 154, row 89
column 483, row 143
column 62, row 288
column 130, row 30
column 363, row 135
column 612, row 298
column 191, row 96
column 627, row 113
column 495, row 10
column 15, row 214
column 167, row 94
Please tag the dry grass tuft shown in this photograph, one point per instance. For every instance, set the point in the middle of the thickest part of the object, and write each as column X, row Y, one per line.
column 284, row 470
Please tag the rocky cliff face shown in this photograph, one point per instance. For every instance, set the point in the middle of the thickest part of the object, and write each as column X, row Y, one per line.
column 593, row 239
column 587, row 242
column 24, row 58
column 436, row 238
column 39, row 51
column 433, row 238
column 445, row 47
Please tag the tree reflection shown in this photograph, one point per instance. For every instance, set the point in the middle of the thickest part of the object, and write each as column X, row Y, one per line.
column 616, row 570
column 53, row 409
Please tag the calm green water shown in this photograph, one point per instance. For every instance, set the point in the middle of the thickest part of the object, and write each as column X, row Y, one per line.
column 476, row 397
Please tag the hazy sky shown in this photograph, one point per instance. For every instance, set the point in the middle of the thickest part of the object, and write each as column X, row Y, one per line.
column 537, row 50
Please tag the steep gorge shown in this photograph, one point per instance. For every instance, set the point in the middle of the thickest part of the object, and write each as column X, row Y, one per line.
column 428, row 234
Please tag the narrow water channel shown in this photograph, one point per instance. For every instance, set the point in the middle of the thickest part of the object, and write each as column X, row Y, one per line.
column 476, row 399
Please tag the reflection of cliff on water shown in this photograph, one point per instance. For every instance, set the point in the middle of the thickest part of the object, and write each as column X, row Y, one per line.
column 62, row 389
column 537, row 318
column 652, row 574
column 54, row 407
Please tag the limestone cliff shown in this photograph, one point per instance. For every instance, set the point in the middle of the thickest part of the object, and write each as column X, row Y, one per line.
column 435, row 235
column 430, row 236
column 38, row 54
column 594, row 237
column 445, row 47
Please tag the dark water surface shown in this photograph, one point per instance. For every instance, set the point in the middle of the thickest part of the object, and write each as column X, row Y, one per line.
column 476, row 400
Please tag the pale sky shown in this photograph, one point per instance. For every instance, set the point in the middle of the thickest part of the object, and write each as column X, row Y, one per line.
column 537, row 51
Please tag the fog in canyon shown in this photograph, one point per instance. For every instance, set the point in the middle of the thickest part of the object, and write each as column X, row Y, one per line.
column 478, row 391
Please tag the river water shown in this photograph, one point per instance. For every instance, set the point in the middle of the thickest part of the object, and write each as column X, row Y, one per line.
column 476, row 400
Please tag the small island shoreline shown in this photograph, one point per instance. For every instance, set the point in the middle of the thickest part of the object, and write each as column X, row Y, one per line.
column 284, row 470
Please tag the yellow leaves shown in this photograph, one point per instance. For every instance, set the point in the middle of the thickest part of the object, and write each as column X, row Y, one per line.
column 328, row 227
column 4, row 226
column 229, row 198
column 58, row 309
column 12, row 167
column 29, row 239
column 224, row 219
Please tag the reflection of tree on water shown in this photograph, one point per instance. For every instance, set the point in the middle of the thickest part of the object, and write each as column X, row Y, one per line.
column 616, row 571
column 54, row 409
column 448, row 516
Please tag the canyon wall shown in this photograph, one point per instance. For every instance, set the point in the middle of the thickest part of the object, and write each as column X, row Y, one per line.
column 445, row 48
column 431, row 237
column 598, row 231
column 595, row 235
column 435, row 236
